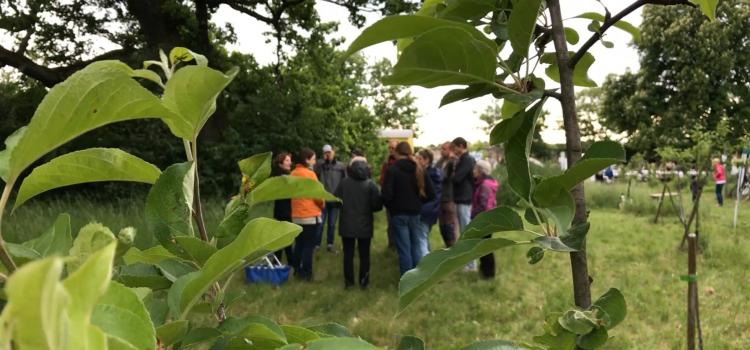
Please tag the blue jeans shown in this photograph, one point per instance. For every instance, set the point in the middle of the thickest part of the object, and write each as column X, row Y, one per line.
column 407, row 233
column 425, row 238
column 719, row 196
column 332, row 214
column 463, row 212
column 304, row 245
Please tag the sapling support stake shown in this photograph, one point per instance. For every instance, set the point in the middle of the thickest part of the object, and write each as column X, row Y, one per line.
column 693, row 321
column 661, row 202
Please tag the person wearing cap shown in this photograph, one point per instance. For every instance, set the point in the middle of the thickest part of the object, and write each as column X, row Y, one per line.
column 330, row 172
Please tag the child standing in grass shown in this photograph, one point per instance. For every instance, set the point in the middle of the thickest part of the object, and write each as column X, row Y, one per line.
column 361, row 199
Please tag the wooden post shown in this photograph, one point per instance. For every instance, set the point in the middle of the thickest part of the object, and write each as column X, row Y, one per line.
column 661, row 201
column 692, row 292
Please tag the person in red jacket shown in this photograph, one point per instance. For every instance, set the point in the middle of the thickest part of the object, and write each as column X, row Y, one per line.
column 720, row 180
column 388, row 162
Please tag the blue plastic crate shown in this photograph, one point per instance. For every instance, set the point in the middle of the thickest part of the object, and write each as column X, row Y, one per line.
column 267, row 273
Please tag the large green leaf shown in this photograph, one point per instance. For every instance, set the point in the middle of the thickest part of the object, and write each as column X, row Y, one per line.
column 149, row 256
column 198, row 249
column 191, row 95
column 38, row 305
column 504, row 131
column 169, row 206
column 509, row 109
column 340, row 344
column 143, row 275
column 580, row 73
column 256, row 336
column 331, row 329
column 200, row 336
column 499, row 219
column 555, row 337
column 517, row 152
column 176, row 291
column 21, row 254
column 158, row 312
column 285, row 187
column 91, row 238
column 594, row 339
column 100, row 94
column 124, row 325
column 397, row 27
column 708, row 7
column 259, row 238
column 91, row 165
column 410, row 342
column 10, row 144
column 172, row 332
column 467, row 10
column 633, row 30
column 469, row 93
column 578, row 322
column 234, row 219
column 614, row 304
column 85, row 286
column 299, row 335
column 492, row 345
column 440, row 263
column 521, row 25
column 125, row 298
column 445, row 56
column 173, row 270
column 235, row 325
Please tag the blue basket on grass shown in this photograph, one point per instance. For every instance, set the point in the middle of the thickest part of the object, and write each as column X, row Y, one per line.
column 266, row 273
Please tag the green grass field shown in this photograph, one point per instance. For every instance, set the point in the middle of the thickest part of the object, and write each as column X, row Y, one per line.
column 626, row 251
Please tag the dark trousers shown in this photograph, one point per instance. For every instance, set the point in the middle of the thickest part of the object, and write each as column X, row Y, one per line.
column 719, row 196
column 288, row 250
column 364, row 260
column 487, row 264
column 304, row 246
column 448, row 223
column 391, row 243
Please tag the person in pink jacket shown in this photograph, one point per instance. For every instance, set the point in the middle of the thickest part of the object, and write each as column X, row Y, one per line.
column 485, row 189
column 720, row 180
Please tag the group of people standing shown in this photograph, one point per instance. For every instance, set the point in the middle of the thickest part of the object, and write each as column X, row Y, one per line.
column 416, row 192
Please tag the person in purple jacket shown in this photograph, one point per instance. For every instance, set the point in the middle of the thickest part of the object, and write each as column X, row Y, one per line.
column 431, row 209
column 485, row 189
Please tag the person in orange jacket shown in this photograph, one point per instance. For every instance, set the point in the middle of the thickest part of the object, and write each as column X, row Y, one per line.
column 306, row 213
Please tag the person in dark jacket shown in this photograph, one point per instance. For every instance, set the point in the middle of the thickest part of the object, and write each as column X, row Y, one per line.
column 330, row 171
column 361, row 199
column 387, row 164
column 405, row 188
column 431, row 209
column 484, row 199
column 282, row 208
column 357, row 154
column 447, row 218
column 463, row 187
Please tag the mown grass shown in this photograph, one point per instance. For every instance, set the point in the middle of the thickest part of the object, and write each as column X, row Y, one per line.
column 626, row 250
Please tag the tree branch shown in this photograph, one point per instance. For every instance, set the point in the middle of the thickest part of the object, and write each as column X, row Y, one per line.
column 121, row 54
column 552, row 93
column 233, row 4
column 611, row 21
column 352, row 7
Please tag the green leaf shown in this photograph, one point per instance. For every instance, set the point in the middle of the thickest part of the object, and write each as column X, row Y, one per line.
column 198, row 249
column 115, row 343
column 125, row 240
column 149, row 256
column 608, row 44
column 235, row 325
column 91, row 165
column 84, row 287
column 100, row 94
column 291, row 347
column 708, row 7
column 594, row 339
column 124, row 325
column 143, row 275
column 234, row 219
column 340, row 344
column 259, row 336
column 614, row 304
column 573, row 241
column 299, row 335
column 633, row 30
column 158, row 312
column 514, row 62
column 191, row 95
column 525, row 99
column 555, row 337
column 176, row 291
column 332, row 329
column 125, row 298
column 594, row 27
column 499, row 219
column 469, row 93
column 148, row 75
column 467, row 10
column 172, row 332
column 409, row 26
column 286, row 187
column 91, row 238
column 504, row 131
column 39, row 304
column 531, row 218
column 571, row 36
column 440, row 263
column 169, row 206
column 173, row 270
column 444, row 56
column 580, row 73
column 535, row 255
column 521, row 25
column 257, row 168
column 10, row 144
column 410, row 342
column 578, row 322
column 200, row 336
column 22, row 255
column 181, row 54
column 492, row 345
column 259, row 238
column 560, row 209
column 145, row 295
column 233, row 297
column 517, row 152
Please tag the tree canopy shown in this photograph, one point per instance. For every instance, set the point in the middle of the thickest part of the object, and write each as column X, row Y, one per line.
column 694, row 74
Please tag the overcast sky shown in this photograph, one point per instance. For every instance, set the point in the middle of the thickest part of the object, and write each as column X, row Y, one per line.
column 458, row 119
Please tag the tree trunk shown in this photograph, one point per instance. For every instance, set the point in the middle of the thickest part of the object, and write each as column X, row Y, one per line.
column 578, row 262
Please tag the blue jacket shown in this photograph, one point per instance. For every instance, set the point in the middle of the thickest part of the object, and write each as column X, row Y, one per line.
column 431, row 209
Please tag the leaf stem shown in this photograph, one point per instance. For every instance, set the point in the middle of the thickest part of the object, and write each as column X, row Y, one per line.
column 197, row 210
column 3, row 277
column 535, row 233
column 5, row 257
column 506, row 67
column 538, row 220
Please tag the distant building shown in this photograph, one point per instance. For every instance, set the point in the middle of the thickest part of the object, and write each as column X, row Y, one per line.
column 398, row 135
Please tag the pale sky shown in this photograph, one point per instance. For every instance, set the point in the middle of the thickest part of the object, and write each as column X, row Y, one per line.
column 457, row 119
